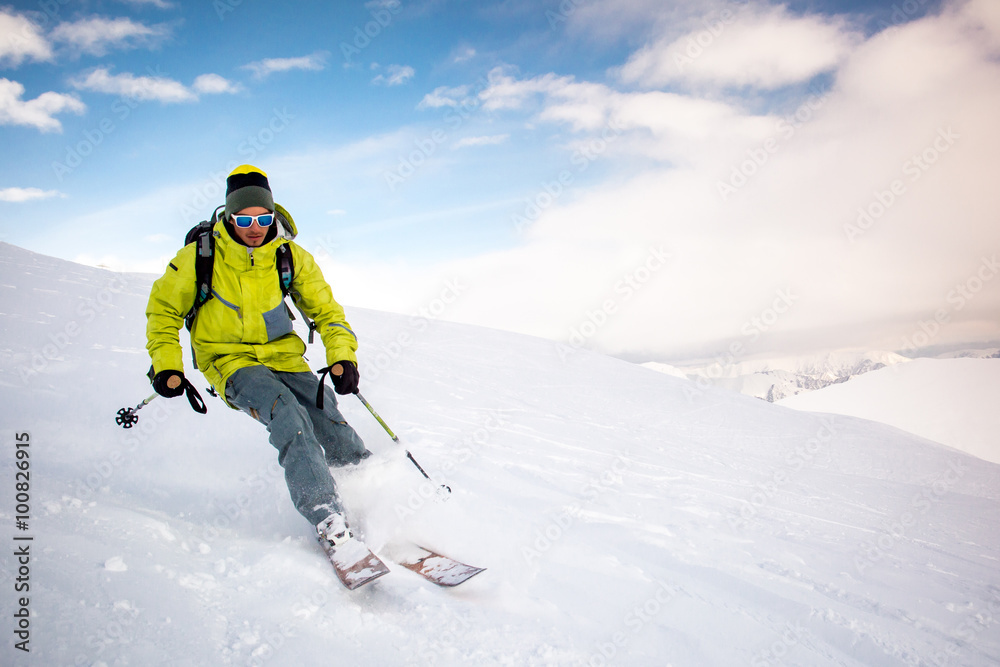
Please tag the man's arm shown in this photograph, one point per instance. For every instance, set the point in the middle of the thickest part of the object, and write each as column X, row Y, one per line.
column 313, row 295
column 169, row 301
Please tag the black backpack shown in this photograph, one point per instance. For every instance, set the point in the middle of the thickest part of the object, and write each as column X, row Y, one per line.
column 204, row 262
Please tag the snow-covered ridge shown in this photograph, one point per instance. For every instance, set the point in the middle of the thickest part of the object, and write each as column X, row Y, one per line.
column 775, row 378
column 625, row 517
column 973, row 353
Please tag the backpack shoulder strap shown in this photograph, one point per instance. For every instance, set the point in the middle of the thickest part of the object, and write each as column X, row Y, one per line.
column 204, row 263
column 202, row 234
column 285, row 264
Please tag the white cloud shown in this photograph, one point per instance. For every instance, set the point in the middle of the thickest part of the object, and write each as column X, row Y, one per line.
column 141, row 88
column 96, row 36
column 397, row 75
column 764, row 48
column 155, row 88
column 611, row 21
column 264, row 68
column 464, row 55
column 213, row 84
column 159, row 4
column 985, row 15
column 38, row 112
column 27, row 194
column 506, row 92
column 490, row 140
column 20, row 40
column 443, row 96
column 373, row 5
column 676, row 127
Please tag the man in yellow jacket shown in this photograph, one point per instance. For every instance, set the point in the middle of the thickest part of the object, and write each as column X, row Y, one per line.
column 244, row 345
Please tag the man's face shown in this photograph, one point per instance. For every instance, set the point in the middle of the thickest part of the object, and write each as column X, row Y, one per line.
column 253, row 235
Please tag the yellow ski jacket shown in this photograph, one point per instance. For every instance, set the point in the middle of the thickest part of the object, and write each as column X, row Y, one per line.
column 246, row 322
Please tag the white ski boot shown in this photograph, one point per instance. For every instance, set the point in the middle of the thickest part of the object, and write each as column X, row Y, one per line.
column 354, row 562
column 333, row 529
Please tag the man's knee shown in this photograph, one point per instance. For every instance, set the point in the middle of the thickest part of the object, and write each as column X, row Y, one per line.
column 253, row 389
column 287, row 419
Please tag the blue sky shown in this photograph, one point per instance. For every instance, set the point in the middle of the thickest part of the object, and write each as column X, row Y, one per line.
column 544, row 155
column 338, row 89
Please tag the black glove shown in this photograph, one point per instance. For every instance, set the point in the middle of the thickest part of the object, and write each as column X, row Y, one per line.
column 346, row 382
column 161, row 380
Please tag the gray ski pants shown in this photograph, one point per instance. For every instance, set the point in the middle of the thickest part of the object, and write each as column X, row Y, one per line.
column 308, row 440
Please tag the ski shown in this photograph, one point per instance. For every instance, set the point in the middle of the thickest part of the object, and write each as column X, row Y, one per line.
column 354, row 563
column 434, row 567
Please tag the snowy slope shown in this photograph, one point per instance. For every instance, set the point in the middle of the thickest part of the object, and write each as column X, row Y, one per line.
column 626, row 517
column 951, row 401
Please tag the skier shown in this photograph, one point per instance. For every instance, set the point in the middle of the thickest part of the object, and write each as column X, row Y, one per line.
column 242, row 341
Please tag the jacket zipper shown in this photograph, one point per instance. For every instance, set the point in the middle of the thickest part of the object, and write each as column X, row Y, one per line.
column 239, row 312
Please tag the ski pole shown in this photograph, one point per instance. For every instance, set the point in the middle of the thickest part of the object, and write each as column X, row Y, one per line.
column 127, row 417
column 338, row 370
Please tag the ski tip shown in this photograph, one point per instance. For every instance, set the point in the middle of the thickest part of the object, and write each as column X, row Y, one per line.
column 354, row 583
column 456, row 578
column 438, row 569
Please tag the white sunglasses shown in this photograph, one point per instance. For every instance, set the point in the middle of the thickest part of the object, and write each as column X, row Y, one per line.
column 244, row 221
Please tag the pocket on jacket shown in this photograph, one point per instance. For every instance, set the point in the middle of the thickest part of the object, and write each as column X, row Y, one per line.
column 277, row 322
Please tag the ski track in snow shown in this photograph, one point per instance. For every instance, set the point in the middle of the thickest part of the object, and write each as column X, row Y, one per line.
column 623, row 519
